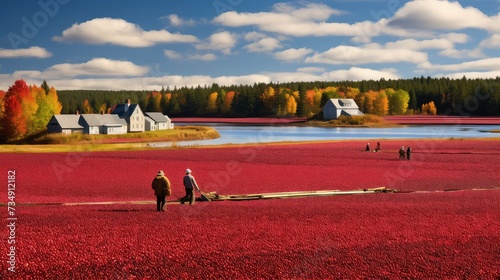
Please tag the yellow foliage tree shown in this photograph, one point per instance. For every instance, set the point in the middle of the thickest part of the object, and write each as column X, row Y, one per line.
column 291, row 104
column 212, row 102
column 381, row 104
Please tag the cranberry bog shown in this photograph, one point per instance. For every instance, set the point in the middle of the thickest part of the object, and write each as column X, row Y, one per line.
column 90, row 215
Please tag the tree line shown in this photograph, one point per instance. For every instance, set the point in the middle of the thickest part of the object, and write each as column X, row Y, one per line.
column 444, row 96
column 25, row 110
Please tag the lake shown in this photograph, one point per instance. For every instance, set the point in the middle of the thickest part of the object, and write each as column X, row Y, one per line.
column 236, row 134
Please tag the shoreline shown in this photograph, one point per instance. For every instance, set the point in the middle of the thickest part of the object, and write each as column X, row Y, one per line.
column 120, row 147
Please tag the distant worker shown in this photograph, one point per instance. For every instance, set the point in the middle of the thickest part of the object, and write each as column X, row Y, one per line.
column 189, row 184
column 162, row 188
column 367, row 147
column 402, row 152
column 408, row 152
column 378, row 147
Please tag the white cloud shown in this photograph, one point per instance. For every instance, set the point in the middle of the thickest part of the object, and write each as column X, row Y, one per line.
column 177, row 56
column 264, row 45
column 454, row 53
column 311, row 69
column 441, row 15
column 472, row 75
column 308, row 20
column 482, row 64
column 222, row 41
column 96, row 67
column 155, row 83
column 358, row 55
column 292, row 54
column 35, row 52
column 172, row 54
column 203, row 57
column 102, row 31
column 358, row 74
column 175, row 20
column 492, row 42
column 254, row 36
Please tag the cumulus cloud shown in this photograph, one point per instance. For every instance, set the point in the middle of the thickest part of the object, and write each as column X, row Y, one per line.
column 472, row 75
column 96, row 67
column 292, row 54
column 359, row 74
column 287, row 19
column 222, row 41
column 311, row 69
column 264, row 45
column 454, row 53
column 155, row 83
column 177, row 56
column 35, row 52
column 492, row 42
column 203, row 57
column 175, row 20
column 482, row 64
column 113, row 31
column 172, row 54
column 358, row 55
column 429, row 15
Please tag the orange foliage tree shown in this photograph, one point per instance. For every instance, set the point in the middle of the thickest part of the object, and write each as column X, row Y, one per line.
column 228, row 102
column 19, row 108
column 429, row 109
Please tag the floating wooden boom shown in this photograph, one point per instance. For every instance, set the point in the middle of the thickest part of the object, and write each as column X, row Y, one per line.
column 213, row 196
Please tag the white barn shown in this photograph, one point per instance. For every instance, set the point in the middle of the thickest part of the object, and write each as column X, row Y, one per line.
column 157, row 121
column 66, row 124
column 103, row 124
column 336, row 107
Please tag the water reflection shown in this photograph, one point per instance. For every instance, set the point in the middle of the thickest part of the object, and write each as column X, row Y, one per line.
column 231, row 134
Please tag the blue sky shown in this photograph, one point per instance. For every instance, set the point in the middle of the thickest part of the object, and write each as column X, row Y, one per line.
column 149, row 44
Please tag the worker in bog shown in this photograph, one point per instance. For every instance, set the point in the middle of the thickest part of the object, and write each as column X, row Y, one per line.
column 190, row 185
column 162, row 188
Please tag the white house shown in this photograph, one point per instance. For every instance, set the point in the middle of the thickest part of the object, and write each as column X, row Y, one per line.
column 161, row 122
column 337, row 107
column 132, row 114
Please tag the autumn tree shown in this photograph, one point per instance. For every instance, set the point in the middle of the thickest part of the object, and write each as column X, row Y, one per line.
column 48, row 105
column 228, row 102
column 2, row 94
column 268, row 98
column 291, row 104
column 19, row 109
column 398, row 101
column 381, row 104
column 429, row 109
column 212, row 103
column 87, row 108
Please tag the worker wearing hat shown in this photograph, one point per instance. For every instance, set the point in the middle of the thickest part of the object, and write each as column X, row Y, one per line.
column 162, row 188
column 189, row 184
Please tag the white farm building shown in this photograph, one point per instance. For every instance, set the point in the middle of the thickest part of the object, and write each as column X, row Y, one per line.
column 125, row 118
column 336, row 107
